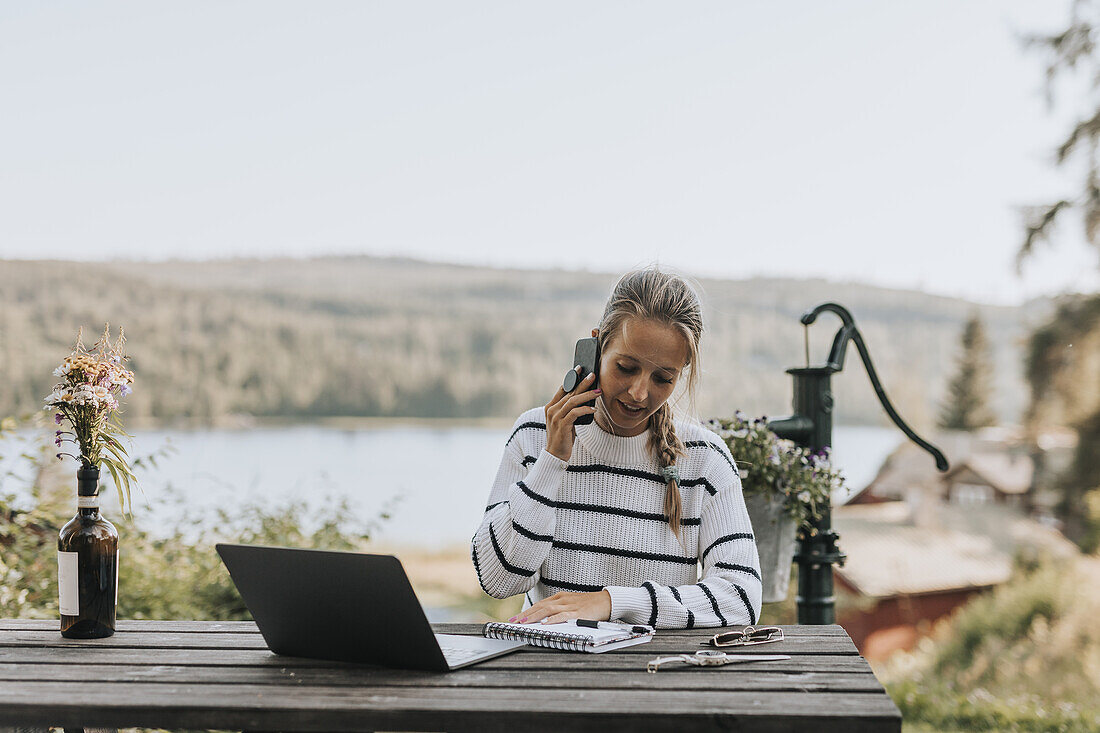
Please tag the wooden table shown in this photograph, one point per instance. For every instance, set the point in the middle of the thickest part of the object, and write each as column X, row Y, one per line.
column 205, row 674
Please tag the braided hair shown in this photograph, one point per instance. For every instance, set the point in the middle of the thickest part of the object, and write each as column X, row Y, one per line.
column 650, row 294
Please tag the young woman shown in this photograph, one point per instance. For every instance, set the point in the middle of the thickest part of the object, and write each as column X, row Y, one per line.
column 611, row 520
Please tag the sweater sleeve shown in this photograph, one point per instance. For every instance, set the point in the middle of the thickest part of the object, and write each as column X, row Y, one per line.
column 517, row 530
column 729, row 590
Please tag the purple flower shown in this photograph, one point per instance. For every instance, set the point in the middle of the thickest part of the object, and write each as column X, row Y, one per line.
column 57, row 418
column 57, row 442
column 58, row 456
column 125, row 390
column 58, row 433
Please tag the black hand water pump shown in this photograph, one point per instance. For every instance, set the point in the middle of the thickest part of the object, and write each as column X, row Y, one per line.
column 811, row 426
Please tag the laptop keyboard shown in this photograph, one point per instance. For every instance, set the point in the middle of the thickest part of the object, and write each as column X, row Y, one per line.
column 458, row 655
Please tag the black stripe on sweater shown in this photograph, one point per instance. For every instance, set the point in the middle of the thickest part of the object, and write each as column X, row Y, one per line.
column 686, row 521
column 503, row 560
column 727, row 538
column 576, row 506
column 745, row 600
column 527, row 460
column 619, row 552
column 566, row 585
column 477, row 565
column 653, row 600
column 525, row 426
column 494, row 506
column 716, row 448
column 531, row 535
column 601, row 468
column 536, row 497
column 714, row 605
column 739, row 568
column 691, row 616
column 631, row 472
column 634, row 473
column 688, row 482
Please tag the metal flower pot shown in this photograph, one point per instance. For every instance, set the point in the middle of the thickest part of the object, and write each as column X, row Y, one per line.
column 774, row 530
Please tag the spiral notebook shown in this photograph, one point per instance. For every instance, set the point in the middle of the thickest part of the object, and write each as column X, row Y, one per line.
column 569, row 636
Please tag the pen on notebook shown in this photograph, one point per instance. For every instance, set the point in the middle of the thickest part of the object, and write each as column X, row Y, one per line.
column 611, row 625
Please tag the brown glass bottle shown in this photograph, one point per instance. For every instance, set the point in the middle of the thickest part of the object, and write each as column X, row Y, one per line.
column 87, row 565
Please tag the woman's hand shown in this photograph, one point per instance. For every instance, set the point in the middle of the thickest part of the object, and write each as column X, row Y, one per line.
column 562, row 412
column 565, row 606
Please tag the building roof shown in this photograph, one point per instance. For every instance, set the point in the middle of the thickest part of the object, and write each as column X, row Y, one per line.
column 996, row 455
column 896, row 549
column 888, row 557
column 1009, row 473
column 906, row 469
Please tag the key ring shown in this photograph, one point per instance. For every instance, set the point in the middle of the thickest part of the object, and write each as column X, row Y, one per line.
column 711, row 658
column 703, row 658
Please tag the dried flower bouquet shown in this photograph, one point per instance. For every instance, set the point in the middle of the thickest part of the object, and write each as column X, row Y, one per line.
column 87, row 400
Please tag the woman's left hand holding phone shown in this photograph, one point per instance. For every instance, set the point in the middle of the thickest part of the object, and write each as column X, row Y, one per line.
column 561, row 414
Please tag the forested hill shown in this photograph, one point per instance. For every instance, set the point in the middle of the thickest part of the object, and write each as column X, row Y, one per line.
column 366, row 336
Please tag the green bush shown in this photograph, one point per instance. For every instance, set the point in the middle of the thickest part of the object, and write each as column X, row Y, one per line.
column 991, row 623
column 1025, row 657
column 175, row 577
column 182, row 577
column 940, row 709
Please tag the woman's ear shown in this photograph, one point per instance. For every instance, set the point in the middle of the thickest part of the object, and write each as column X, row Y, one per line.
column 595, row 332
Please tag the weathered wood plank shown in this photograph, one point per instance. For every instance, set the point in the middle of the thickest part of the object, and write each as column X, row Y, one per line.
column 123, row 640
column 792, row 630
column 522, row 659
column 797, row 629
column 662, row 643
column 220, row 674
column 144, row 625
column 260, row 707
column 759, row 676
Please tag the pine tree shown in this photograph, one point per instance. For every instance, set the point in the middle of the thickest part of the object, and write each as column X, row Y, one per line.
column 968, row 394
column 1062, row 377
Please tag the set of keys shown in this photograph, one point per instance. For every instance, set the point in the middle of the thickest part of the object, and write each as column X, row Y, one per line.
column 712, row 658
column 748, row 636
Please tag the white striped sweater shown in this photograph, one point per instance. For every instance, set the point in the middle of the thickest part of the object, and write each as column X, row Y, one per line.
column 596, row 522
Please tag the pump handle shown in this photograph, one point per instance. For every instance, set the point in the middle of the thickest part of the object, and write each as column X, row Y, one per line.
column 849, row 332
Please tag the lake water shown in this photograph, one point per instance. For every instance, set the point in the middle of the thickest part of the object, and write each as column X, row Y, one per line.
column 433, row 480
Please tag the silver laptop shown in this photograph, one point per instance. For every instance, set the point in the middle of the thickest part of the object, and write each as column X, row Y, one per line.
column 347, row 606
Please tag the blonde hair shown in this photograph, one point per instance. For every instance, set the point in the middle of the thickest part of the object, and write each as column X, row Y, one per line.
column 667, row 299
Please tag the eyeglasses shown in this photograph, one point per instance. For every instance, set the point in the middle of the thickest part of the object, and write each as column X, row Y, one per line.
column 748, row 636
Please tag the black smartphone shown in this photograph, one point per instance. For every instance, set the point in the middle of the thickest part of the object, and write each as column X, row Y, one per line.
column 587, row 357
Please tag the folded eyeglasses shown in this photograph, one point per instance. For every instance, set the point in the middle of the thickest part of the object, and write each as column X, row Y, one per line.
column 747, row 636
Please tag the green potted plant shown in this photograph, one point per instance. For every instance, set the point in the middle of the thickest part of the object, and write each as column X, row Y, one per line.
column 785, row 487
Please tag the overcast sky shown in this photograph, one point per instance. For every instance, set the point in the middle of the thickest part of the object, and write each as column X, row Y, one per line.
column 885, row 142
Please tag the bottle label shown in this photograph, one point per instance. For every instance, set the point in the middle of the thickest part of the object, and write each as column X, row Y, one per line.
column 87, row 502
column 68, row 587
